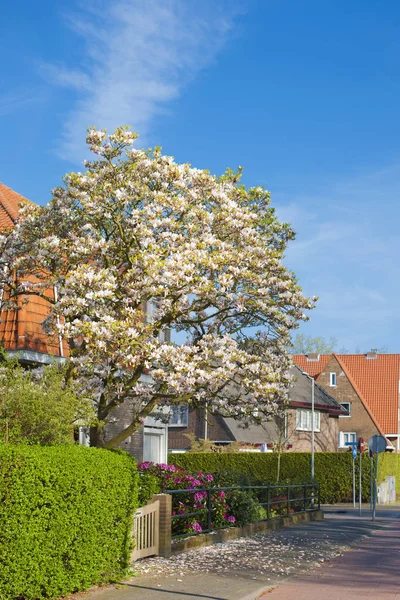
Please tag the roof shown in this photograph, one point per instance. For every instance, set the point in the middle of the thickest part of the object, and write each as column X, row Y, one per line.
column 300, row 393
column 376, row 381
column 250, row 433
column 312, row 367
column 9, row 206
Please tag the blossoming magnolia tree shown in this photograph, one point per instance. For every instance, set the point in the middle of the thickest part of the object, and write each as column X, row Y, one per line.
column 138, row 228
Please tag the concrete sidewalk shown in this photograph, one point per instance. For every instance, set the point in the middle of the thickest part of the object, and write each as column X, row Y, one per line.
column 272, row 565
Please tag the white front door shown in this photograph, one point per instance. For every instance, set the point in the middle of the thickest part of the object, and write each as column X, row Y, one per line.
column 154, row 444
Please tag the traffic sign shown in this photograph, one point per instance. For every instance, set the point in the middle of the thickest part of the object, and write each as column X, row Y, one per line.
column 354, row 451
column 361, row 444
column 377, row 443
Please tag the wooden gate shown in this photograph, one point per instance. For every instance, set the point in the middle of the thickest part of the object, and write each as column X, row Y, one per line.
column 146, row 531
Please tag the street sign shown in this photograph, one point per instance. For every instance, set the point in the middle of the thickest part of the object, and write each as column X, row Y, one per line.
column 377, row 443
column 351, row 444
column 361, row 444
column 354, row 451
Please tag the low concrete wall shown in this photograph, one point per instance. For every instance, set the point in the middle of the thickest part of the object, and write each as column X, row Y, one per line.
column 231, row 533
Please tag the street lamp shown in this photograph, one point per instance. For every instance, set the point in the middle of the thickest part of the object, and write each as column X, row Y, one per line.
column 312, row 423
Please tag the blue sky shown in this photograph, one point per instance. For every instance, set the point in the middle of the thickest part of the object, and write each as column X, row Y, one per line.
column 304, row 95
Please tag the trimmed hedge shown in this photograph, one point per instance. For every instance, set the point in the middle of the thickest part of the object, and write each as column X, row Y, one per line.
column 65, row 519
column 333, row 470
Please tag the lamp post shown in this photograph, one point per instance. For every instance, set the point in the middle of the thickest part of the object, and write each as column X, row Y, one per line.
column 312, row 422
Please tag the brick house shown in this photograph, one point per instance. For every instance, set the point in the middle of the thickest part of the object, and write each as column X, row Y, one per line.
column 21, row 334
column 367, row 385
column 295, row 431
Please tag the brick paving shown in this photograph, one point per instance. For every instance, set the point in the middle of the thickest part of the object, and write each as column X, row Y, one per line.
column 372, row 570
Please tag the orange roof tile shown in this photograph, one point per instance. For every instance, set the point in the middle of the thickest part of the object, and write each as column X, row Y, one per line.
column 376, row 381
column 312, row 367
column 9, row 206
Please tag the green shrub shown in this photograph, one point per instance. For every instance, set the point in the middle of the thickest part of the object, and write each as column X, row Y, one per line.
column 245, row 507
column 149, row 485
column 37, row 406
column 333, row 470
column 65, row 519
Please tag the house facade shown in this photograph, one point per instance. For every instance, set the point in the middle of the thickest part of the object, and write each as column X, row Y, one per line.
column 294, row 432
column 367, row 386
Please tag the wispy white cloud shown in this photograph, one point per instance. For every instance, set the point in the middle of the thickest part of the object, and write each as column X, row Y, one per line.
column 138, row 57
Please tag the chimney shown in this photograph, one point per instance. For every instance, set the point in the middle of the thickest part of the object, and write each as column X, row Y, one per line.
column 313, row 357
column 372, row 354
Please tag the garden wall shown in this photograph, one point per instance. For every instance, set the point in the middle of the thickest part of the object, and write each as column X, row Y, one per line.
column 333, row 470
column 65, row 519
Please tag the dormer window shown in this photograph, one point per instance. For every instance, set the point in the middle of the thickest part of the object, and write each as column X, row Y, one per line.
column 332, row 381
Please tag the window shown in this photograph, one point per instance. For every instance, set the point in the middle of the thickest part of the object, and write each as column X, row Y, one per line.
column 179, row 416
column 346, row 436
column 332, row 379
column 347, row 406
column 304, row 422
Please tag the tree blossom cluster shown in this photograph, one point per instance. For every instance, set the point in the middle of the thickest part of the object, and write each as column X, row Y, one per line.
column 137, row 229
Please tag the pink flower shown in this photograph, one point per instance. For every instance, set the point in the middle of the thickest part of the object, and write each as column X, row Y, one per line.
column 231, row 519
column 198, row 497
column 196, row 526
column 209, row 478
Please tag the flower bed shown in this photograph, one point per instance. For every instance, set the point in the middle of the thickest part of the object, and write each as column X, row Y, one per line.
column 199, row 505
column 190, row 508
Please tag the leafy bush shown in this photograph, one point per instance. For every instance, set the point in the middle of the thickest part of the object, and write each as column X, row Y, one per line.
column 149, row 484
column 37, row 406
column 65, row 519
column 245, row 507
column 333, row 470
column 228, row 477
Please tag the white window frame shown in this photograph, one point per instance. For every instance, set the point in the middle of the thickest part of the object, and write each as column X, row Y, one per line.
column 179, row 416
column 342, row 440
column 303, row 420
column 332, row 379
column 345, row 404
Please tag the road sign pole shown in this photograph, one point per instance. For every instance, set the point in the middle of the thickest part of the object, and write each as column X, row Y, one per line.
column 354, row 482
column 360, row 488
column 371, row 479
column 376, row 444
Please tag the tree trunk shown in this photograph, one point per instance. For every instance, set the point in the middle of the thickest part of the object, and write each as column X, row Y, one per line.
column 97, row 437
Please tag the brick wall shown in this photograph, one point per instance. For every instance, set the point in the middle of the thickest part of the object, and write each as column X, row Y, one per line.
column 360, row 421
column 326, row 440
column 122, row 416
column 217, row 430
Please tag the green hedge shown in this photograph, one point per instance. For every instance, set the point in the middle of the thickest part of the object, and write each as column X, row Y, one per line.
column 389, row 465
column 333, row 470
column 65, row 519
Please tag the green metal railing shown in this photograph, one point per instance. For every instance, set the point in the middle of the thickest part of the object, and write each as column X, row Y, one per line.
column 277, row 500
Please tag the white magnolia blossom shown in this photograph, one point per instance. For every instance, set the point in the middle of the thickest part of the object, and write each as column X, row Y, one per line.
column 135, row 228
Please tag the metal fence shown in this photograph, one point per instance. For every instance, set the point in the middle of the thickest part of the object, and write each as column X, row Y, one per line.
column 276, row 500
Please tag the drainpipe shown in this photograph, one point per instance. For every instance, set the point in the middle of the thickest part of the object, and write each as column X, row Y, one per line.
column 60, row 341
